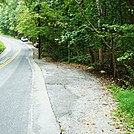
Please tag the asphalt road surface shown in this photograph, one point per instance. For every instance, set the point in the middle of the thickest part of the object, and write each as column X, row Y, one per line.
column 24, row 105
column 15, row 88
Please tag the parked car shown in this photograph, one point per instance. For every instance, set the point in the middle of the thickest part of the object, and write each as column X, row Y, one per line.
column 24, row 39
column 36, row 45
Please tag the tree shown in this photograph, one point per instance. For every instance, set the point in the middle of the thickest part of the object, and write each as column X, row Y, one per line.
column 94, row 33
column 8, row 18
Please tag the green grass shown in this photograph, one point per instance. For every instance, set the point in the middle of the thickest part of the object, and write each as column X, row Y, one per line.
column 2, row 47
column 125, row 111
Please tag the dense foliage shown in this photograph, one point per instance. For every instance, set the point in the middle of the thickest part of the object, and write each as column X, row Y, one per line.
column 98, row 33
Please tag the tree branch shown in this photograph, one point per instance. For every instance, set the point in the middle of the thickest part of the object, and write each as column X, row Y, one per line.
column 82, row 12
column 89, row 22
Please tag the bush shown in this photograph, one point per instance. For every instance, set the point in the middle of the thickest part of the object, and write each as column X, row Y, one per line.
column 2, row 47
column 82, row 59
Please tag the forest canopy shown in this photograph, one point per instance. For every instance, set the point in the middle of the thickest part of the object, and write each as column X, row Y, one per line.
column 98, row 33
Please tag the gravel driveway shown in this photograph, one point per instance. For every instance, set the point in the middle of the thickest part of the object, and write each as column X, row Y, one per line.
column 80, row 103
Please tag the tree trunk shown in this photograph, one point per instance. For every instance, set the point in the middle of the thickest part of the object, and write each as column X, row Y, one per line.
column 131, row 3
column 92, row 56
column 112, row 58
column 100, row 13
column 120, row 11
column 69, row 53
column 101, row 58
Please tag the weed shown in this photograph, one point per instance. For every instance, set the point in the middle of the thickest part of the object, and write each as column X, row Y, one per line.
column 2, row 47
column 125, row 111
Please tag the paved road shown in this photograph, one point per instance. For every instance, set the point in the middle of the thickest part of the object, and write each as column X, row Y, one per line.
column 24, row 104
column 15, row 88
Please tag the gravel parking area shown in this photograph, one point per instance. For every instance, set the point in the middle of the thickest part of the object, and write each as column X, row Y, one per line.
column 82, row 105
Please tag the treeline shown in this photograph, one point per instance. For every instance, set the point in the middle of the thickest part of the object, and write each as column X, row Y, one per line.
column 96, row 33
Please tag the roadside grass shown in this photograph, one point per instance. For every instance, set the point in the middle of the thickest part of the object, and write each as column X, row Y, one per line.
column 2, row 47
column 125, row 110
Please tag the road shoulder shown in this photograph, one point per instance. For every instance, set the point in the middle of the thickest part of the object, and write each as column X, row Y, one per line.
column 42, row 118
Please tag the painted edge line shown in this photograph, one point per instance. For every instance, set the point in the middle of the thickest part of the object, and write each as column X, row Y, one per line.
column 10, row 60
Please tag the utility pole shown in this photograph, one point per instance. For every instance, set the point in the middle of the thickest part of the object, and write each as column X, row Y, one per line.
column 39, row 36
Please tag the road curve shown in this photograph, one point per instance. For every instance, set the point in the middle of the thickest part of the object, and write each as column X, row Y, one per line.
column 15, row 88
column 23, row 99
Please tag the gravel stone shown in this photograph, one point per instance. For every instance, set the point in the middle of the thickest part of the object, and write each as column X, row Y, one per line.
column 82, row 105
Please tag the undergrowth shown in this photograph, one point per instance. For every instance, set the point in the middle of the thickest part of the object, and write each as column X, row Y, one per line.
column 125, row 110
column 2, row 47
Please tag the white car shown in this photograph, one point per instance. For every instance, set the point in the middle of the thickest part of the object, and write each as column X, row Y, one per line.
column 24, row 39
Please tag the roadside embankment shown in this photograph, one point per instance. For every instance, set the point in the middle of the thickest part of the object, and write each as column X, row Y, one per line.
column 2, row 47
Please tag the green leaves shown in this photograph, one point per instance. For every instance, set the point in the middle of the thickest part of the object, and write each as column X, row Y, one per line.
column 2, row 47
column 126, row 107
column 125, row 111
column 120, row 30
column 126, row 56
column 27, row 21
